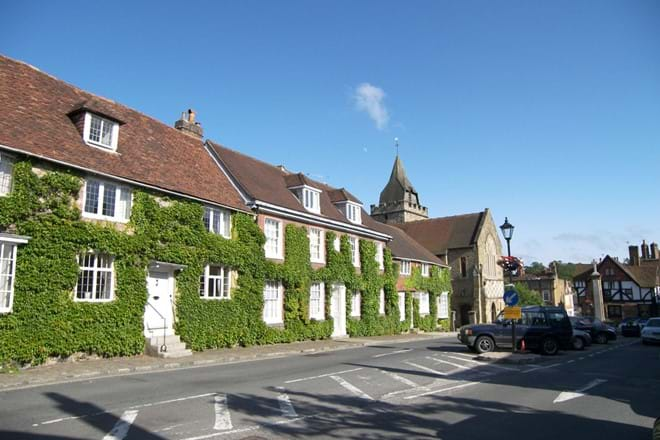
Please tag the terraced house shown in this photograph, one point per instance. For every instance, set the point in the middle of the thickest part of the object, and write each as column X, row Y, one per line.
column 116, row 228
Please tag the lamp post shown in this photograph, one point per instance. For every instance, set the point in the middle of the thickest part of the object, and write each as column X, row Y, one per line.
column 507, row 232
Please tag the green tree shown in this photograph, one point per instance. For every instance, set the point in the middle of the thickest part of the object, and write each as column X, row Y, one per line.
column 527, row 296
column 535, row 268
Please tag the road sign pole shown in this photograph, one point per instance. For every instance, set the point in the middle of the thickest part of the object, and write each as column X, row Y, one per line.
column 511, row 299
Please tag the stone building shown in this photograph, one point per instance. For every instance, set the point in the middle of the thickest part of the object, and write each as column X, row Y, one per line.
column 468, row 243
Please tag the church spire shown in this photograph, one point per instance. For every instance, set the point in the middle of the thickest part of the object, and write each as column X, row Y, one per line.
column 399, row 202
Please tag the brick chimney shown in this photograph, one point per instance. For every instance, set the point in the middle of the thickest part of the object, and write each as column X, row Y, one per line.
column 645, row 250
column 188, row 125
column 655, row 253
column 633, row 251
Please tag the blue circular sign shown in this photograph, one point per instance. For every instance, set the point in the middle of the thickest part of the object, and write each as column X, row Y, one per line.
column 511, row 298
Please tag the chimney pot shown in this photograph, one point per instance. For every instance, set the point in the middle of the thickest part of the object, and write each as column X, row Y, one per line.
column 633, row 251
column 188, row 126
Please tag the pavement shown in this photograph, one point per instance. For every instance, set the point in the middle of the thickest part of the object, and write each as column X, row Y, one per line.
column 68, row 370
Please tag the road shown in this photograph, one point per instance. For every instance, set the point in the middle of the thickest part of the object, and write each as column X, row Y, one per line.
column 426, row 389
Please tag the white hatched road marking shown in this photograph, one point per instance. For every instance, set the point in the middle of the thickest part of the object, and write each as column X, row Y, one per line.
column 422, row 367
column 222, row 416
column 455, row 387
column 143, row 405
column 540, row 368
column 391, row 353
column 462, row 367
column 401, row 379
column 567, row 395
column 122, row 426
column 250, row 428
column 322, row 375
column 285, row 406
column 485, row 364
column 352, row 388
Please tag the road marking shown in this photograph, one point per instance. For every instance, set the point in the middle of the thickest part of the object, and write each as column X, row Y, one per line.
column 571, row 361
column 455, row 387
column 462, row 367
column 582, row 358
column 352, row 388
column 322, row 375
column 485, row 364
column 401, row 379
column 249, row 428
column 422, row 367
column 222, row 416
column 392, row 352
column 541, row 368
column 143, row 405
column 122, row 426
column 457, row 354
column 285, row 406
column 569, row 395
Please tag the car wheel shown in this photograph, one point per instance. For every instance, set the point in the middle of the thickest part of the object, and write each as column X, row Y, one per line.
column 484, row 344
column 578, row 343
column 601, row 338
column 549, row 346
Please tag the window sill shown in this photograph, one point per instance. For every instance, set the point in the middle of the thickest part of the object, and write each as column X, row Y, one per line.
column 103, row 217
column 212, row 298
column 275, row 324
column 93, row 301
column 106, row 148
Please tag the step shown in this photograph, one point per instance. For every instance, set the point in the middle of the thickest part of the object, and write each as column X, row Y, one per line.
column 175, row 348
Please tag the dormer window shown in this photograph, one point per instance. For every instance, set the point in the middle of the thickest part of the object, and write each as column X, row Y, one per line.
column 311, row 199
column 354, row 213
column 101, row 132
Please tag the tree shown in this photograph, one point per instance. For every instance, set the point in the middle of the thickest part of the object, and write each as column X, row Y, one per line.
column 565, row 271
column 535, row 268
column 527, row 296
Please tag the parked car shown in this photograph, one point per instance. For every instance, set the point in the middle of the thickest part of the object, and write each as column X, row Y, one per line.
column 651, row 331
column 581, row 339
column 600, row 333
column 631, row 328
column 625, row 322
column 546, row 329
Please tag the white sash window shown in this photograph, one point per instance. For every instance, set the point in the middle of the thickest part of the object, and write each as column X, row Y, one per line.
column 443, row 305
column 107, row 201
column 273, row 303
column 381, row 302
column 316, row 245
column 215, row 283
column 6, row 167
column 402, row 306
column 218, row 221
column 317, row 301
column 356, row 300
column 273, row 232
column 355, row 251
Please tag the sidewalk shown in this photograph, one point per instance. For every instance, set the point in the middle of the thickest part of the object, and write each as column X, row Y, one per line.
column 68, row 371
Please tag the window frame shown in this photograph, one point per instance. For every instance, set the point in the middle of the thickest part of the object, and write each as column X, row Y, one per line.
column 11, row 274
column 210, row 212
column 355, row 250
column 405, row 267
column 425, row 270
column 278, row 252
column 119, row 190
column 317, row 313
column 353, row 212
column 443, row 305
column 380, row 255
column 321, row 254
column 401, row 301
column 279, row 304
column 114, row 132
column 424, row 298
column 206, row 277
column 7, row 174
column 95, row 271
column 356, row 299
column 311, row 199
column 381, row 302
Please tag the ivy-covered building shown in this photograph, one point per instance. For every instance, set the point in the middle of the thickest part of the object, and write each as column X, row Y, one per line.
column 116, row 229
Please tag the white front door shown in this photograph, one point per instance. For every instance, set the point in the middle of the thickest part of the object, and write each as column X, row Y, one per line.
column 338, row 310
column 158, row 313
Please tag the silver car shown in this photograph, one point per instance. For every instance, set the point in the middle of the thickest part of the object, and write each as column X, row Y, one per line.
column 651, row 331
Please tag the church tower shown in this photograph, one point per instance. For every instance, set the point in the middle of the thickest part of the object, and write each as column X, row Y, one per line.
column 399, row 202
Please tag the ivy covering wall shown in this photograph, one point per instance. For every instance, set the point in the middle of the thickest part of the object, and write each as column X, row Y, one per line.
column 46, row 322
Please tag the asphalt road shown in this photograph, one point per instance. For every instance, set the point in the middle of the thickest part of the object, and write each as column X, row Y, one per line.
column 426, row 389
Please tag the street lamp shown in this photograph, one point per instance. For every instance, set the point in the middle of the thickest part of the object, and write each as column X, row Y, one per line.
column 507, row 232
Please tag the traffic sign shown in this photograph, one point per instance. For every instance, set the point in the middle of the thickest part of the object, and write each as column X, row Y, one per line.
column 511, row 296
column 512, row 313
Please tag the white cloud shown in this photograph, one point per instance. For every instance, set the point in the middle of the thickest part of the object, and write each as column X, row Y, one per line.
column 370, row 99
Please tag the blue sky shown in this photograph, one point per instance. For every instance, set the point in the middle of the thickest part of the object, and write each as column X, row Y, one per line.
column 545, row 112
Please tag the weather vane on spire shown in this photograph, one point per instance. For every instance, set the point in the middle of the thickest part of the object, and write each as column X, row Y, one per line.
column 396, row 144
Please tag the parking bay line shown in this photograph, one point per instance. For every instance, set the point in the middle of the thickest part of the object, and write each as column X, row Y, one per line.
column 540, row 368
column 285, row 406
column 352, row 388
column 401, row 379
column 427, row 369
column 392, row 352
column 455, row 387
column 485, row 364
column 322, row 375
column 462, row 367
column 143, row 405
column 122, row 426
column 222, row 416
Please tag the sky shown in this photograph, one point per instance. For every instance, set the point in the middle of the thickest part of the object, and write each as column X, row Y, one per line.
column 547, row 113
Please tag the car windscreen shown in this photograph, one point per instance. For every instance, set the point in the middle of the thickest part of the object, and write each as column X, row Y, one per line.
column 653, row 323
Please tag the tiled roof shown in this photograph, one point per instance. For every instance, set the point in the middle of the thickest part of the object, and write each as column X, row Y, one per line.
column 397, row 185
column 341, row 195
column 35, row 120
column 268, row 183
column 442, row 233
column 646, row 276
column 404, row 247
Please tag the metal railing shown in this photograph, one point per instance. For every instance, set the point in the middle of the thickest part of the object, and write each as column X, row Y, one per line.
column 163, row 347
